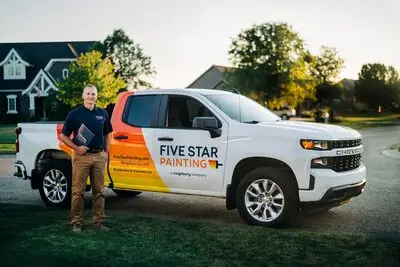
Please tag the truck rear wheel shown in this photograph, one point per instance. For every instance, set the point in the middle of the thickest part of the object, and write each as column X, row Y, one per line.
column 55, row 184
column 126, row 193
column 267, row 197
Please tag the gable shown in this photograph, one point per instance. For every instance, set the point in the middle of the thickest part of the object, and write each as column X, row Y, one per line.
column 212, row 78
column 208, row 80
column 13, row 56
column 38, row 55
column 41, row 85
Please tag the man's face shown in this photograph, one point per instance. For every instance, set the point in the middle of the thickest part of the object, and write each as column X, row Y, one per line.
column 89, row 96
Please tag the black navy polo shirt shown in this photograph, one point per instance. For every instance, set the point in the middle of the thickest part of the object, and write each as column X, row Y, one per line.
column 96, row 120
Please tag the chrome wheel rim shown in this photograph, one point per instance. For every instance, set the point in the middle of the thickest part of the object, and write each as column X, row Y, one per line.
column 264, row 200
column 55, row 186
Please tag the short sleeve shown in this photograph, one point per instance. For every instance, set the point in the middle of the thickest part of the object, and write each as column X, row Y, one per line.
column 69, row 124
column 107, row 124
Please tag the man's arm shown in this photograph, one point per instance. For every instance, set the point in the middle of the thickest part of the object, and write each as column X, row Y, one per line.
column 66, row 140
column 107, row 143
column 66, row 131
column 107, row 130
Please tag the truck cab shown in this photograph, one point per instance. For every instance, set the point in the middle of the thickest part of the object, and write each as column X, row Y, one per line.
column 209, row 143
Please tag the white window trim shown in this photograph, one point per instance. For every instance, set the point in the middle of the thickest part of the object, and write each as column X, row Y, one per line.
column 14, row 76
column 65, row 73
column 14, row 99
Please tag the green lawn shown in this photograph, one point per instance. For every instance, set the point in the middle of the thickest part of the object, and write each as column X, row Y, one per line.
column 37, row 236
column 366, row 121
column 7, row 148
column 7, row 134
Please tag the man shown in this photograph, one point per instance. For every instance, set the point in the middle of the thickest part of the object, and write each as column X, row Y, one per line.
column 89, row 159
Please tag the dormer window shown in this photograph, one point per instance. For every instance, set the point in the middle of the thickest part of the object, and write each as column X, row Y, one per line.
column 14, row 66
column 14, row 69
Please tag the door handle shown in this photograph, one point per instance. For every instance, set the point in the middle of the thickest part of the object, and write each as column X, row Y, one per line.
column 120, row 137
column 165, row 139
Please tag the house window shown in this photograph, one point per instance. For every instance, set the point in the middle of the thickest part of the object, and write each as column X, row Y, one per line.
column 65, row 73
column 12, row 104
column 14, row 67
column 13, row 71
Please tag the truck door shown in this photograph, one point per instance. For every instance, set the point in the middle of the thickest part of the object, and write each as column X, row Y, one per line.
column 188, row 160
column 131, row 164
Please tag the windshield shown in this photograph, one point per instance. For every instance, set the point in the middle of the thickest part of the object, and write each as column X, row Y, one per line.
column 250, row 110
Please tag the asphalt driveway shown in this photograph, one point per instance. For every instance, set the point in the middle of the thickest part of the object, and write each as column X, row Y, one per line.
column 376, row 210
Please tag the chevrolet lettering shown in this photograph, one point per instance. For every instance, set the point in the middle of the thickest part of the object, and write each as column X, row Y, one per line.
column 345, row 152
column 206, row 143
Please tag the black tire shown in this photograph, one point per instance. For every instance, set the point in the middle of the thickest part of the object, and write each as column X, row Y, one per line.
column 285, row 117
column 290, row 208
column 59, row 170
column 126, row 193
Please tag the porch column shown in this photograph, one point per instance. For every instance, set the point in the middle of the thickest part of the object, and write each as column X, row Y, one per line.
column 31, row 104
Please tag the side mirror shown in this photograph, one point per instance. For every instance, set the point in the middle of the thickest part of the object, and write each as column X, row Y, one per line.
column 208, row 123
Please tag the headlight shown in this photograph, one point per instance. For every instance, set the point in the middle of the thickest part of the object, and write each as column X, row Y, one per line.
column 315, row 144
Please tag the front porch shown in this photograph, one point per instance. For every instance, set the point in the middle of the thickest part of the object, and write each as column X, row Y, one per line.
column 38, row 91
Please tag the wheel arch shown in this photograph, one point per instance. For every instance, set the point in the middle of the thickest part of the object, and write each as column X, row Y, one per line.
column 44, row 158
column 246, row 165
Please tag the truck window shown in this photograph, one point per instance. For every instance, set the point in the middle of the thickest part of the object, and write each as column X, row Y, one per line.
column 141, row 110
column 181, row 111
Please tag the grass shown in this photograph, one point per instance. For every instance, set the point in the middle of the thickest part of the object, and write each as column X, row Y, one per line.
column 37, row 236
column 367, row 121
column 7, row 148
column 7, row 134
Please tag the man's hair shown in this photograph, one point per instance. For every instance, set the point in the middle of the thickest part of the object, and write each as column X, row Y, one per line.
column 90, row 85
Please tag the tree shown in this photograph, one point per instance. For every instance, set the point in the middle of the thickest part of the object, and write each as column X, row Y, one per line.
column 270, row 60
column 326, row 68
column 377, row 85
column 328, row 65
column 90, row 68
column 128, row 59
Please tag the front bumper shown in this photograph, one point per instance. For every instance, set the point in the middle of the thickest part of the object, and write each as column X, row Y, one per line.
column 336, row 196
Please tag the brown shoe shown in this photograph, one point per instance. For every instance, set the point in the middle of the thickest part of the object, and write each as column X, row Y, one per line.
column 101, row 227
column 77, row 228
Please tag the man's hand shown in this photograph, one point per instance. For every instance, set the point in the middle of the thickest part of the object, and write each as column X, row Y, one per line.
column 81, row 150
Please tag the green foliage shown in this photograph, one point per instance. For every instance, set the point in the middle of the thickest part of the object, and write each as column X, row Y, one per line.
column 90, row 68
column 128, row 58
column 328, row 91
column 271, row 61
column 328, row 65
column 378, row 85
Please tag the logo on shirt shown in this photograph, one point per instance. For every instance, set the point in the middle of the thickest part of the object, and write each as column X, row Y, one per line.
column 99, row 117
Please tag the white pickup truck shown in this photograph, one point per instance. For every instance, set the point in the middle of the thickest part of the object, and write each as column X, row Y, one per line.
column 209, row 143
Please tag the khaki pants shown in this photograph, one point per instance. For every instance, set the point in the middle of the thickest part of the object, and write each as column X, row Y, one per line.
column 92, row 165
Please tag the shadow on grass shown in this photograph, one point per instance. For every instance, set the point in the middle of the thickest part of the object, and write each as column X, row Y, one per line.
column 38, row 236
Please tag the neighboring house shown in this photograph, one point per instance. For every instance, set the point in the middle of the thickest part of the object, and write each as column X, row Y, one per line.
column 212, row 78
column 29, row 73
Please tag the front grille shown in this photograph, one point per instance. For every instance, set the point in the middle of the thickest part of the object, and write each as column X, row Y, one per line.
column 346, row 143
column 345, row 163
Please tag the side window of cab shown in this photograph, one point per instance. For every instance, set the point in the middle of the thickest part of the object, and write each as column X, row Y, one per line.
column 142, row 110
column 179, row 111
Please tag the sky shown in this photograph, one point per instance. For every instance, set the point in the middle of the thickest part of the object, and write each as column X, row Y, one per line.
column 185, row 37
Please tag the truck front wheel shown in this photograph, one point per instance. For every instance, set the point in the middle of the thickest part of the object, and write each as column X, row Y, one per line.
column 267, row 197
column 55, row 185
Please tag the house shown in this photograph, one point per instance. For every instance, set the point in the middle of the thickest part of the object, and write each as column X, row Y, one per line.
column 29, row 73
column 212, row 78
